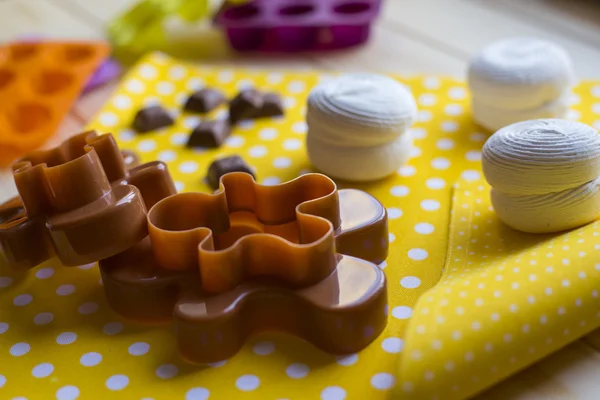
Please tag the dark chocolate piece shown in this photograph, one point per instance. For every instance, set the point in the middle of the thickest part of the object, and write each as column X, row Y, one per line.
column 246, row 105
column 222, row 166
column 272, row 106
column 209, row 134
column 152, row 118
column 204, row 100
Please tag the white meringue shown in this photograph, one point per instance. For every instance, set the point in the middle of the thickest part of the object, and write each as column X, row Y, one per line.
column 357, row 126
column 493, row 118
column 519, row 73
column 359, row 164
column 551, row 212
column 545, row 174
column 541, row 156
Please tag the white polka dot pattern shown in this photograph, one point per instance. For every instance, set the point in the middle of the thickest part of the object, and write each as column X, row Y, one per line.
column 125, row 360
column 502, row 294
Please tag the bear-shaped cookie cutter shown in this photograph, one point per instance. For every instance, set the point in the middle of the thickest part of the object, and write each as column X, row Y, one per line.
column 82, row 201
column 299, row 257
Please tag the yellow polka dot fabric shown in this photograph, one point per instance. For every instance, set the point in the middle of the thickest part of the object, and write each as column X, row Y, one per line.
column 505, row 300
column 59, row 338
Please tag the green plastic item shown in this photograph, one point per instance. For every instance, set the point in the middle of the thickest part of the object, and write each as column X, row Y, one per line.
column 141, row 28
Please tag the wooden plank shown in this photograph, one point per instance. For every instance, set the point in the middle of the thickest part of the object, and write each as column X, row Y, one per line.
column 98, row 11
column 391, row 51
column 571, row 373
column 593, row 340
column 463, row 27
column 41, row 17
column 92, row 102
column 408, row 55
column 576, row 19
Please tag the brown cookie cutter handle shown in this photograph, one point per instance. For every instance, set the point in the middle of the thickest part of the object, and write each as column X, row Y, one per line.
column 24, row 242
column 194, row 231
column 123, row 167
column 363, row 232
column 67, row 177
column 137, row 288
column 79, row 195
column 341, row 314
column 61, row 188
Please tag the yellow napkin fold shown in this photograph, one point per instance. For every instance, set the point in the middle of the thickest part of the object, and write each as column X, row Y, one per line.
column 505, row 300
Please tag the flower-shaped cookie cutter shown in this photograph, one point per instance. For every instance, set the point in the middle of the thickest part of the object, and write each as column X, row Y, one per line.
column 82, row 201
column 298, row 257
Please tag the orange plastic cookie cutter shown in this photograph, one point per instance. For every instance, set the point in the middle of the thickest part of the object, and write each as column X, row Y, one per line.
column 247, row 230
column 252, row 258
column 80, row 201
column 39, row 83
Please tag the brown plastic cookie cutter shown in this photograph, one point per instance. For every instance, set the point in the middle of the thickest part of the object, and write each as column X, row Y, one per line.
column 252, row 258
column 82, row 201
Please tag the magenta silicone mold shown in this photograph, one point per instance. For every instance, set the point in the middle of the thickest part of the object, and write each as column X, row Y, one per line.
column 297, row 25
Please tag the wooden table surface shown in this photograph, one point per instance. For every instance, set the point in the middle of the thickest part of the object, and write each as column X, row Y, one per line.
column 413, row 36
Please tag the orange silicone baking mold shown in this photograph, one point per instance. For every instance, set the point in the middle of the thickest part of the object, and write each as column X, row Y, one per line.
column 251, row 258
column 39, row 83
column 80, row 201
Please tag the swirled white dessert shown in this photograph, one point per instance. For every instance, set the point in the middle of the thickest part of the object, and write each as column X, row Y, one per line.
column 519, row 77
column 545, row 174
column 357, row 126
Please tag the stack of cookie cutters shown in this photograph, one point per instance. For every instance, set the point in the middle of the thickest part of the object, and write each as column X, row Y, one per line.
column 299, row 257
column 82, row 201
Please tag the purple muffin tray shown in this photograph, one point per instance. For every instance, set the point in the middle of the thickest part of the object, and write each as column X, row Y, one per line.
column 297, row 25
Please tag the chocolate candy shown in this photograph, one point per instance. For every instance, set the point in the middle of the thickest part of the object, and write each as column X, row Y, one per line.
column 209, row 134
column 152, row 118
column 222, row 166
column 272, row 106
column 246, row 105
column 251, row 103
column 204, row 101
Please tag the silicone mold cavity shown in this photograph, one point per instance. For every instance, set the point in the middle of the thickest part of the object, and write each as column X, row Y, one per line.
column 24, row 51
column 39, row 81
column 6, row 78
column 251, row 258
column 28, row 117
column 352, row 7
column 242, row 13
column 281, row 25
column 78, row 53
column 52, row 82
column 297, row 9
column 82, row 202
